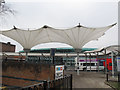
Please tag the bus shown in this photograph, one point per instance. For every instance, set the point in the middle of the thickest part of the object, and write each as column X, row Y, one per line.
column 92, row 64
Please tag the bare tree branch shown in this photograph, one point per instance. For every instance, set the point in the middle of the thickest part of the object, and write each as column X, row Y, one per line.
column 5, row 9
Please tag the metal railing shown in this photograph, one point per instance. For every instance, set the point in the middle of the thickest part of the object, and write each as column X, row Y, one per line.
column 62, row 83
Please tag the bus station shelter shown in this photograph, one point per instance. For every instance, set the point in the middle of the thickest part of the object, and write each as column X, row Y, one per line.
column 112, row 51
column 76, row 37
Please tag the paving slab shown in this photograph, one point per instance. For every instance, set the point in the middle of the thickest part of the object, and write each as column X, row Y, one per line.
column 88, row 80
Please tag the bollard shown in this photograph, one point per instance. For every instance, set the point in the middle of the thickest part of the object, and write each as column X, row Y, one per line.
column 45, row 85
column 118, row 77
column 107, row 77
column 70, row 81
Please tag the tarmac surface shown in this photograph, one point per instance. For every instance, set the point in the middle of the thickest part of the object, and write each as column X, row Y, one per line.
column 89, row 80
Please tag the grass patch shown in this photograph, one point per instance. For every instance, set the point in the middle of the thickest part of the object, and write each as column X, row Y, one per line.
column 114, row 84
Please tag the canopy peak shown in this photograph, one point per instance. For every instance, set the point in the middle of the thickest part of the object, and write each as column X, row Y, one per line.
column 45, row 26
column 14, row 27
column 79, row 25
column 114, row 24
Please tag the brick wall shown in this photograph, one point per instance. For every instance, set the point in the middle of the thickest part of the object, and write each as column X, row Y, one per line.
column 31, row 71
column 7, row 47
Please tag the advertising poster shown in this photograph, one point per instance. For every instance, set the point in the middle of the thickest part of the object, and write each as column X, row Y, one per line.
column 59, row 71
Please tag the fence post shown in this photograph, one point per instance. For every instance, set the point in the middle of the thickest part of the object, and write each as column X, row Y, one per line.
column 45, row 85
column 67, row 81
column 63, row 81
column 118, row 77
column 54, row 85
column 70, row 81
column 107, row 77
column 35, row 88
column 59, row 84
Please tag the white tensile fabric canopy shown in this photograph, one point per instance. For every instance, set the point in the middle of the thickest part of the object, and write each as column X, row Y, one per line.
column 113, row 48
column 77, row 36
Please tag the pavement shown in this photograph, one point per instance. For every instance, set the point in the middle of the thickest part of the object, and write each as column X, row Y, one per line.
column 88, row 80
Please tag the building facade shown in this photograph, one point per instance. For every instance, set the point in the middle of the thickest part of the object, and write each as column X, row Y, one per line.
column 7, row 47
column 66, row 58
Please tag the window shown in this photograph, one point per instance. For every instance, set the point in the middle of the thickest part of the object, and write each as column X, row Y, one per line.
column 101, row 62
column 92, row 64
column 110, row 64
column 84, row 64
column 88, row 64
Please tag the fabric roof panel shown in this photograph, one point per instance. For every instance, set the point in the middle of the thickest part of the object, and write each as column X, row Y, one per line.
column 77, row 37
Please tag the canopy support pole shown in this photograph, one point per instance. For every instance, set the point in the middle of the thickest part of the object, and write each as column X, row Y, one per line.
column 26, row 56
column 105, row 61
column 78, row 63
column 112, row 64
column 90, row 62
column 66, row 60
column 78, row 51
column 26, row 51
column 86, row 61
column 98, row 61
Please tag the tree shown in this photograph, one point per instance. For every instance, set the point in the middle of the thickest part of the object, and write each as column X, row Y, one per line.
column 4, row 8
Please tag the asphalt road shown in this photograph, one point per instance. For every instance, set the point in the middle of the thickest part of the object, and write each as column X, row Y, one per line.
column 89, row 80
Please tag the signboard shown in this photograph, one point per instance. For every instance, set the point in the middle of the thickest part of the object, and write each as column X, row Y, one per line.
column 118, row 64
column 59, row 71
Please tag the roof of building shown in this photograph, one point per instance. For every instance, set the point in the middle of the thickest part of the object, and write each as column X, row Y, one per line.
column 59, row 50
column 8, row 43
